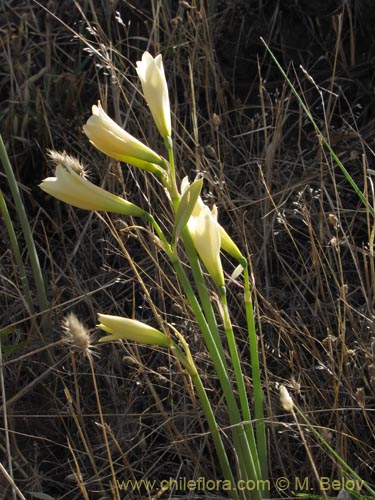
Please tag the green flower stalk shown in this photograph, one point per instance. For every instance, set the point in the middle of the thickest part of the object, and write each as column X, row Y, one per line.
column 131, row 329
column 114, row 141
column 70, row 186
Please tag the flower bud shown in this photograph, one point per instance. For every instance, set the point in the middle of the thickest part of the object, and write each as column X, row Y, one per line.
column 131, row 329
column 285, row 399
column 227, row 244
column 154, row 85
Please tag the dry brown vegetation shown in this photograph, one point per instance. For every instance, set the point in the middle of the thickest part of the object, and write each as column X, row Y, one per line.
column 279, row 194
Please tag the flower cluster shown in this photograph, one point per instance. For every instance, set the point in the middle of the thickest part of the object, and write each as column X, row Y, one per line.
column 71, row 186
column 197, row 230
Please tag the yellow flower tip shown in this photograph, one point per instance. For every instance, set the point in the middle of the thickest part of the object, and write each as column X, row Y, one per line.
column 130, row 329
column 229, row 246
column 70, row 187
column 285, row 399
column 107, row 136
column 205, row 233
column 155, row 89
column 76, row 334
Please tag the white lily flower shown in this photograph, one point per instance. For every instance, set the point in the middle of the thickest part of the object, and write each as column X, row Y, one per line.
column 227, row 244
column 114, row 141
column 154, row 85
column 205, row 233
column 70, row 187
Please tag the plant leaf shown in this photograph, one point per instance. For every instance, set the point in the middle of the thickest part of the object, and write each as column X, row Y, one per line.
column 185, row 208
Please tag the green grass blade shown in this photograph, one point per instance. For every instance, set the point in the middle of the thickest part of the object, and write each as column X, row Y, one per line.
column 26, row 229
column 16, row 252
column 334, row 454
column 347, row 175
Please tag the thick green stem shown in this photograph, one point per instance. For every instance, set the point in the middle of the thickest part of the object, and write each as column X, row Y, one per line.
column 186, row 360
column 203, row 294
column 257, row 382
column 241, row 444
column 216, row 436
column 173, row 191
column 255, row 473
column 26, row 229
column 208, row 326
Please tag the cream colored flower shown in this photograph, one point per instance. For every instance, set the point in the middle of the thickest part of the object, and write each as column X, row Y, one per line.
column 205, row 233
column 227, row 244
column 115, row 142
column 154, row 85
column 72, row 188
column 131, row 329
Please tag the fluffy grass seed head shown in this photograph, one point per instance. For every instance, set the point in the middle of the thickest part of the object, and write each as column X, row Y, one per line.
column 77, row 335
column 71, row 186
column 68, row 161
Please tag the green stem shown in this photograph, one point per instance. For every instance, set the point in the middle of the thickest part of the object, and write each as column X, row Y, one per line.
column 244, row 402
column 206, row 302
column 216, row 436
column 203, row 294
column 26, row 229
column 172, row 188
column 209, row 329
column 257, row 382
column 186, row 360
column 169, row 147
column 241, row 445
column 147, row 217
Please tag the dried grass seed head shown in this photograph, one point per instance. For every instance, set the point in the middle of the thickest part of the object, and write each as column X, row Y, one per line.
column 76, row 334
column 67, row 160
